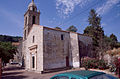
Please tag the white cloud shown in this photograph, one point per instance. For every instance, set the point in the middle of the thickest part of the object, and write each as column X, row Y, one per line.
column 106, row 6
column 67, row 6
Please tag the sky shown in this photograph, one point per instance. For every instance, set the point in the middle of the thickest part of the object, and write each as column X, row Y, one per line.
column 60, row 13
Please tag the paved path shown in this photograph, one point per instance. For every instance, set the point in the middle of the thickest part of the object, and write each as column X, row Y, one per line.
column 15, row 72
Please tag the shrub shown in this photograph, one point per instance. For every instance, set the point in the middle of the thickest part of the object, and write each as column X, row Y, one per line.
column 102, row 64
column 112, row 68
column 117, row 65
column 93, row 63
column 117, row 62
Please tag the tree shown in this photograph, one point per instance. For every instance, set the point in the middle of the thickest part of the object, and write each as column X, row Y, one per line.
column 94, row 19
column 114, row 42
column 89, row 30
column 7, row 51
column 95, row 31
column 113, row 37
column 58, row 28
column 6, row 38
column 72, row 29
column 118, row 45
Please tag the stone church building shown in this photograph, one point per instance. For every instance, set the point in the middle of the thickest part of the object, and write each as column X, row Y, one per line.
column 47, row 48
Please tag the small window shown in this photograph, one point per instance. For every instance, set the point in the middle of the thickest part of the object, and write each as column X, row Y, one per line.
column 33, row 20
column 26, row 21
column 33, row 39
column 25, row 34
column 62, row 37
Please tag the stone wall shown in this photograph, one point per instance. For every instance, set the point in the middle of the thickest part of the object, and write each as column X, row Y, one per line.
column 85, row 45
column 85, row 39
column 56, row 48
column 35, row 48
column 74, row 47
column 24, row 52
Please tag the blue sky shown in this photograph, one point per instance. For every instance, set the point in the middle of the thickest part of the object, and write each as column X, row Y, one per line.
column 62, row 13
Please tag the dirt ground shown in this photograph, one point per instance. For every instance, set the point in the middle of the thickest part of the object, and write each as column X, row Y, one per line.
column 15, row 72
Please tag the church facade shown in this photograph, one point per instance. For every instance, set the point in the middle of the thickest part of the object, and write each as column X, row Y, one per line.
column 47, row 48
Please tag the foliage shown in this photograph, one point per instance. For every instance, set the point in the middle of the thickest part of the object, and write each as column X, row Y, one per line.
column 94, row 19
column 117, row 45
column 106, row 43
column 7, row 51
column 112, row 66
column 58, row 28
column 93, row 63
column 72, row 29
column 101, row 43
column 89, row 30
column 95, row 30
column 114, row 42
column 97, row 34
column 102, row 64
column 117, row 62
column 5, row 38
column 113, row 37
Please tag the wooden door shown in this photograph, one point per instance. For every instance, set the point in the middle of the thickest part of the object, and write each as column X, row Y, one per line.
column 67, row 61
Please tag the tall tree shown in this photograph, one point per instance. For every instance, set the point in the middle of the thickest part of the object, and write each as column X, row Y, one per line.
column 95, row 31
column 94, row 19
column 101, row 43
column 72, row 29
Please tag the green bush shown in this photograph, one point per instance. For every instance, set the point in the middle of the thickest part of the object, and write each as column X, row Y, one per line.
column 102, row 64
column 93, row 63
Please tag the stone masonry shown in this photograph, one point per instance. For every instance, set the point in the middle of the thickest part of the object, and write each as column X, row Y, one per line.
column 47, row 48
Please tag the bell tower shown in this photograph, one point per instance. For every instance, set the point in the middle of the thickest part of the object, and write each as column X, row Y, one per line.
column 30, row 17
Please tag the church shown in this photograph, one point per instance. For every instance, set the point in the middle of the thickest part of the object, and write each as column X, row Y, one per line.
column 47, row 48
